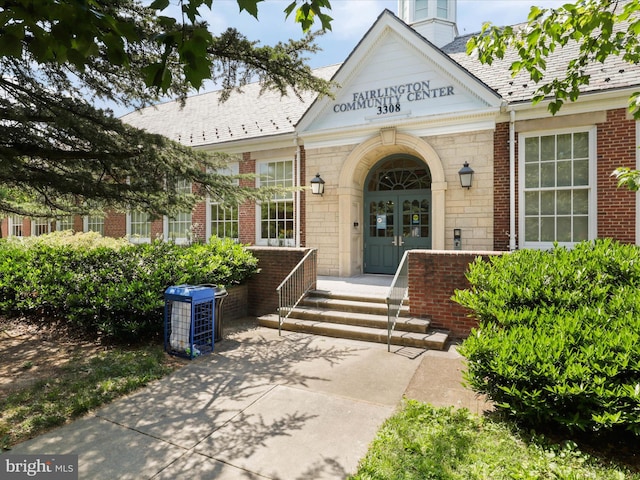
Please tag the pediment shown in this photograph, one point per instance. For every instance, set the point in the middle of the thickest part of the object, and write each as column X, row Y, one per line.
column 394, row 74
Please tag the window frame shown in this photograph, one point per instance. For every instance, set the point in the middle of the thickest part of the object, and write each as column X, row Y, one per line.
column 13, row 224
column 232, row 169
column 591, row 187
column 41, row 222
column 87, row 220
column 134, row 238
column 60, row 223
column 186, row 187
column 289, row 199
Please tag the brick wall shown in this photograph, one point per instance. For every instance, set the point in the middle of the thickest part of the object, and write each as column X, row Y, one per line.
column 247, row 211
column 433, row 277
column 115, row 225
column 616, row 148
column 234, row 305
column 199, row 222
column 501, row 187
column 275, row 264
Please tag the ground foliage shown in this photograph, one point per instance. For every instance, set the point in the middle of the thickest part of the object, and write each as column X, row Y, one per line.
column 108, row 287
column 422, row 442
column 558, row 343
column 51, row 374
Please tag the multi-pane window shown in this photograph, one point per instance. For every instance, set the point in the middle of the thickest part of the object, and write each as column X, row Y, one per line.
column 15, row 225
column 64, row 223
column 442, row 9
column 94, row 224
column 556, row 191
column 41, row 226
column 276, row 216
column 179, row 226
column 139, row 225
column 223, row 219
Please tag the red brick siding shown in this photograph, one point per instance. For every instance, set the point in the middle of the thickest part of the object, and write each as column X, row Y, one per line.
column 157, row 229
column 275, row 264
column 433, row 277
column 199, row 222
column 501, row 187
column 247, row 211
column 115, row 224
column 235, row 304
column 616, row 148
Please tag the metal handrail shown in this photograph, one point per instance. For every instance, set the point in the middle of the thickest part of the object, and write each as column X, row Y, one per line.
column 398, row 291
column 295, row 286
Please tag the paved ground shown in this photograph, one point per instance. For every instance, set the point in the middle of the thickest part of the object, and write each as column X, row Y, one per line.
column 261, row 406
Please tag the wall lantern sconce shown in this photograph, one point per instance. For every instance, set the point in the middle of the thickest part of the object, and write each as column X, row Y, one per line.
column 466, row 175
column 317, row 185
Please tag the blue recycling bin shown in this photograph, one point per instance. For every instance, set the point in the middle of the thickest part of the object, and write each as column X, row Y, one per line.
column 189, row 328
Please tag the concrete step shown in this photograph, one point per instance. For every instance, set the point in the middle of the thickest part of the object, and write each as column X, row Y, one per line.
column 348, row 296
column 434, row 340
column 405, row 323
column 356, row 305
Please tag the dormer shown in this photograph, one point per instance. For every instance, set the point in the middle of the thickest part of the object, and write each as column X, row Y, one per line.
column 433, row 19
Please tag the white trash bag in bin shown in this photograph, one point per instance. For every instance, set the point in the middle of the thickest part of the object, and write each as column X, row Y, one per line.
column 180, row 325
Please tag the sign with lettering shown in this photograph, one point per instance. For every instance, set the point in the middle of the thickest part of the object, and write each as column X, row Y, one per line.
column 393, row 98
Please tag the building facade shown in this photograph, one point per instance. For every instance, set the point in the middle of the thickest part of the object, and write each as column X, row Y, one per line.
column 412, row 109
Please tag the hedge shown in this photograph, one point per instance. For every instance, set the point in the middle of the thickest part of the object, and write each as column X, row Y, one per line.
column 558, row 342
column 109, row 287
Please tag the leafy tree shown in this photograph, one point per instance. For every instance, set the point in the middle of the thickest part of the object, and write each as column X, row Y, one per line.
column 601, row 28
column 59, row 154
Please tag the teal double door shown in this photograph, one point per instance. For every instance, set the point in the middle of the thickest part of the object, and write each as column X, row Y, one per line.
column 395, row 221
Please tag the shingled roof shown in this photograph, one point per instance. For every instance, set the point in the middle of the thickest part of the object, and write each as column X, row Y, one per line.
column 203, row 120
column 614, row 73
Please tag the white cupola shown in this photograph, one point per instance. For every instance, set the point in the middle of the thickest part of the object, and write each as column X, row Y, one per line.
column 433, row 19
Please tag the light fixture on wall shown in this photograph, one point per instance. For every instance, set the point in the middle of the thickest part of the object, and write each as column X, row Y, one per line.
column 317, row 185
column 466, row 175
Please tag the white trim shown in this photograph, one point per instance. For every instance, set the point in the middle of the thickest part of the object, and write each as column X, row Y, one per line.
column 10, row 224
column 593, row 195
column 368, row 46
column 34, row 223
column 259, row 240
column 422, row 127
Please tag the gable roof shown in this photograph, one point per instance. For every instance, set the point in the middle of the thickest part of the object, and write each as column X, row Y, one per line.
column 250, row 115
column 389, row 31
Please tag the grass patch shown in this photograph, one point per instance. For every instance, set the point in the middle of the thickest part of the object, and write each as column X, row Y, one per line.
column 423, row 442
column 84, row 384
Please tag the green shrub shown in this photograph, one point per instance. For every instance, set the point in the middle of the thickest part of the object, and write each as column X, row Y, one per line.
column 109, row 287
column 559, row 336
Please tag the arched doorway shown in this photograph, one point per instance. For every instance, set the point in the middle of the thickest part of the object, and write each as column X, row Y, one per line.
column 397, row 213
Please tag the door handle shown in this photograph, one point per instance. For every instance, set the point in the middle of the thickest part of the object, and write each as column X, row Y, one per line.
column 397, row 241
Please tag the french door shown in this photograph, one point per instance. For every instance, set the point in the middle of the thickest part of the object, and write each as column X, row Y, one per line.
column 395, row 221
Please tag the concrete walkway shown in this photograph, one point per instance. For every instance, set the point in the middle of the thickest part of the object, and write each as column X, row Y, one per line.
column 261, row 406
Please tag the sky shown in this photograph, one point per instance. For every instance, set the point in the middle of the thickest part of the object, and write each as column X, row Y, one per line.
column 351, row 20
